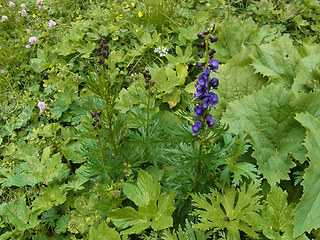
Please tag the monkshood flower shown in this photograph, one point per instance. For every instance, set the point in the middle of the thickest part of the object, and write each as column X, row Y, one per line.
column 203, row 94
column 33, row 40
column 42, row 106
column 52, row 23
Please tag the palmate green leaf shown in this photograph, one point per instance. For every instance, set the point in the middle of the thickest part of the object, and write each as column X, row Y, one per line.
column 268, row 117
column 277, row 60
column 307, row 214
column 276, row 218
column 19, row 214
column 35, row 171
column 154, row 209
column 234, row 35
column 189, row 233
column 229, row 210
column 102, row 231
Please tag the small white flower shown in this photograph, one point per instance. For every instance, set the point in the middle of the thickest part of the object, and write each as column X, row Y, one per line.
column 4, row 18
column 42, row 106
column 52, row 23
column 39, row 2
column 33, row 40
column 24, row 12
column 163, row 51
column 12, row 4
column 23, row 6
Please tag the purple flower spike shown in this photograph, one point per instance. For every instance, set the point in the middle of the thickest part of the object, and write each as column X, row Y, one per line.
column 210, row 121
column 196, row 127
column 213, row 64
column 210, row 98
column 199, row 110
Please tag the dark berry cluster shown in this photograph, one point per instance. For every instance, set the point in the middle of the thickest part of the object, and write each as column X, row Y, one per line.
column 95, row 123
column 148, row 81
column 204, row 96
column 103, row 50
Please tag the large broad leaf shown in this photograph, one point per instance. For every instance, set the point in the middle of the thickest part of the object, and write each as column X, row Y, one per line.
column 228, row 210
column 237, row 79
column 268, row 116
column 234, row 35
column 154, row 210
column 307, row 214
column 277, row 60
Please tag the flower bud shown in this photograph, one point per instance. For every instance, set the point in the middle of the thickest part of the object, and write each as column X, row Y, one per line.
column 100, row 61
column 212, row 51
column 199, row 65
column 93, row 114
column 200, row 54
column 203, row 45
column 99, row 113
column 151, row 93
column 206, row 32
column 99, row 125
column 93, row 123
column 146, row 86
column 213, row 39
column 213, row 26
column 97, row 119
column 152, row 83
column 200, row 35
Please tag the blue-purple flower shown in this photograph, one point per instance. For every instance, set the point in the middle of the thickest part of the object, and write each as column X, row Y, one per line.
column 213, row 64
column 210, row 121
column 196, row 127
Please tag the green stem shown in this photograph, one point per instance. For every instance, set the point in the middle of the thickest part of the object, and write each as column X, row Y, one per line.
column 198, row 167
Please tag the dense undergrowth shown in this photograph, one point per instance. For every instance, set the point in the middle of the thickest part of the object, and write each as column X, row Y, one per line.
column 143, row 120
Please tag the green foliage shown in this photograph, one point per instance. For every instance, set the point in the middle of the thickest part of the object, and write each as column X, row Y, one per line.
column 154, row 208
column 306, row 215
column 273, row 142
column 232, row 210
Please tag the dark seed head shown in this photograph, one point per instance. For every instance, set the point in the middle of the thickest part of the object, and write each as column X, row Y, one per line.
column 93, row 114
column 206, row 32
column 199, row 65
column 213, row 38
column 99, row 125
column 212, row 51
column 99, row 113
column 200, row 35
column 200, row 54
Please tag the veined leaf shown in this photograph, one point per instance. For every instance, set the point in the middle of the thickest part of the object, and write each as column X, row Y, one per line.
column 228, row 210
column 307, row 214
column 268, row 116
column 276, row 219
column 102, row 231
column 277, row 60
column 154, row 209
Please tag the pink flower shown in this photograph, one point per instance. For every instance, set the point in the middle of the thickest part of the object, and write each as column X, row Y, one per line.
column 23, row 6
column 28, row 46
column 12, row 4
column 40, row 6
column 2, row 71
column 52, row 23
column 33, row 40
column 42, row 106
column 4, row 18
column 16, row 19
column 27, row 30
column 24, row 12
